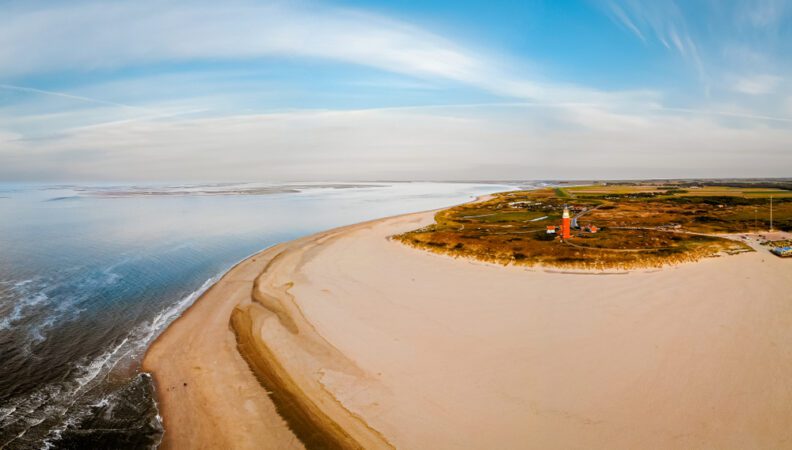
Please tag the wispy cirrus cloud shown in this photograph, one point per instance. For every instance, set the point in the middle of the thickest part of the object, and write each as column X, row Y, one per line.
column 735, row 48
column 91, row 35
column 65, row 95
column 94, row 36
column 757, row 84
column 624, row 18
column 663, row 21
column 105, row 35
column 763, row 14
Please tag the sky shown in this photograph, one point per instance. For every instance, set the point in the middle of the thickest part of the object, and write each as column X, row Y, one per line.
column 199, row 91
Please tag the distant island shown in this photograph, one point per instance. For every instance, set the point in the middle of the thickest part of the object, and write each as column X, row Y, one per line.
column 612, row 225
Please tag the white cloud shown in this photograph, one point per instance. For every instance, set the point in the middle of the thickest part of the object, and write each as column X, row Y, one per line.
column 114, row 34
column 527, row 141
column 757, row 84
column 622, row 16
column 662, row 19
column 89, row 35
column 763, row 14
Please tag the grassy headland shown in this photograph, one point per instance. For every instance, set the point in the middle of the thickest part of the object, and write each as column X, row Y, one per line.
column 638, row 225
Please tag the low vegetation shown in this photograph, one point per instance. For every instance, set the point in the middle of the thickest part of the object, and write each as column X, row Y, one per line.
column 638, row 225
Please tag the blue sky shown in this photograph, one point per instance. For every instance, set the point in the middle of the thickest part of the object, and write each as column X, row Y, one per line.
column 263, row 90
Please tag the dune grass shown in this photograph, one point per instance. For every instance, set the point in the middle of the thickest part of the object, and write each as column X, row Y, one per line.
column 640, row 226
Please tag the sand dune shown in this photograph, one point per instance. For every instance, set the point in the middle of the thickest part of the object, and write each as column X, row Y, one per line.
column 365, row 343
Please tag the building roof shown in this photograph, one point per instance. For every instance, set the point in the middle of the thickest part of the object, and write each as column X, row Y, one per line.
column 782, row 251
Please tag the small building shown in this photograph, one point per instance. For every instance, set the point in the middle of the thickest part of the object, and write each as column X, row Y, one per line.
column 551, row 229
column 784, row 252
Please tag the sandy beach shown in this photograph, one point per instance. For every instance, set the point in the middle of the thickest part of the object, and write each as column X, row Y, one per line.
column 346, row 339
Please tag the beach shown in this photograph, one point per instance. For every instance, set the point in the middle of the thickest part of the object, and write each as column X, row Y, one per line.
column 347, row 339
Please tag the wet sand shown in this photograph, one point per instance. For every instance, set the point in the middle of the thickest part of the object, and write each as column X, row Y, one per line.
column 208, row 398
column 363, row 342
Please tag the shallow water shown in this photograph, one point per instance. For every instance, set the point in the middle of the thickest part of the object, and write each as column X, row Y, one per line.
column 90, row 275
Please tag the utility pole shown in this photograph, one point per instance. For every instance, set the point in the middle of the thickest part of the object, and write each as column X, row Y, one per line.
column 771, row 213
column 756, row 222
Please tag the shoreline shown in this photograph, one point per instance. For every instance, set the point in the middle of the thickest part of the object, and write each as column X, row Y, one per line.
column 178, row 423
column 183, row 374
column 278, row 353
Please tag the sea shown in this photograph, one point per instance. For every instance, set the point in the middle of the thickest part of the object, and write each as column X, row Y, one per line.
column 90, row 275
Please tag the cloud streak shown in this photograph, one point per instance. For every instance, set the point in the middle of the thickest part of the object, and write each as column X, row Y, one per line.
column 757, row 85
column 72, row 97
column 117, row 34
column 441, row 143
column 120, row 34
column 663, row 20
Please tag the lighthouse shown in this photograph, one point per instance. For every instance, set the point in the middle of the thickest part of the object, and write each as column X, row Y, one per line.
column 565, row 224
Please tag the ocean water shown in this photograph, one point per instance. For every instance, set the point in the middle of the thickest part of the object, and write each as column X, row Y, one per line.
column 90, row 275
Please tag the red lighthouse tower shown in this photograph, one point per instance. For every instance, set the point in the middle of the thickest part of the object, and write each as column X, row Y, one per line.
column 566, row 231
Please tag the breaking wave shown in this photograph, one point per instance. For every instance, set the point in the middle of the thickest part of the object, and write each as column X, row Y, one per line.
column 48, row 413
column 42, row 302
